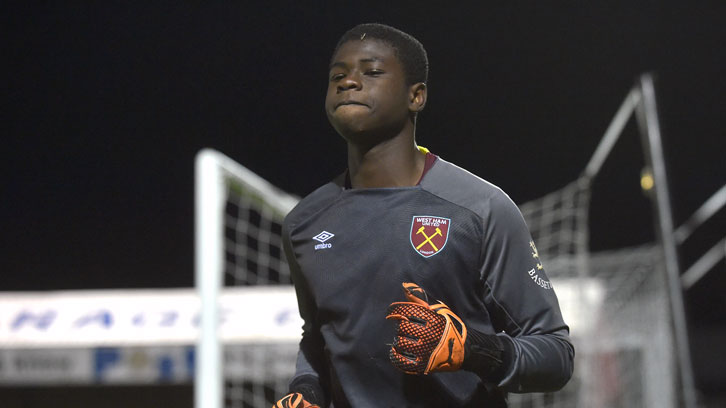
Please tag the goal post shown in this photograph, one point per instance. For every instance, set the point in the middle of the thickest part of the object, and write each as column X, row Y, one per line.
column 647, row 115
column 208, row 277
column 224, row 190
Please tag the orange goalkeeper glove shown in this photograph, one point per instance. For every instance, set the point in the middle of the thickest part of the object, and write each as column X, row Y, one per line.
column 429, row 338
column 294, row 400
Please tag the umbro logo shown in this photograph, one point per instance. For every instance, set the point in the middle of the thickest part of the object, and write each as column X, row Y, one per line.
column 322, row 237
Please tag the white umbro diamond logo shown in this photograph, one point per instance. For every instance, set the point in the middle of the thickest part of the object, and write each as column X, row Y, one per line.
column 323, row 236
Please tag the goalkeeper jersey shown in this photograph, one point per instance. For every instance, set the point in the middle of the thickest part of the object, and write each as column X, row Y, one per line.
column 463, row 241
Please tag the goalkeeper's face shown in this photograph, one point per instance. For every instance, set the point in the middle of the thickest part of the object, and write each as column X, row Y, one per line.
column 368, row 99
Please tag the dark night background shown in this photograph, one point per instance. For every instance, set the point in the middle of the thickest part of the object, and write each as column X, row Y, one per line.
column 107, row 104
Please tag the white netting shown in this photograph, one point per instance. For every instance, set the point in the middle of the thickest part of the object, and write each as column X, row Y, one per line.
column 253, row 243
column 616, row 305
column 256, row 375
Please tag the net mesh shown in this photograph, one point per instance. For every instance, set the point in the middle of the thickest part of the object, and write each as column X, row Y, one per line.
column 615, row 303
column 255, row 375
column 253, row 242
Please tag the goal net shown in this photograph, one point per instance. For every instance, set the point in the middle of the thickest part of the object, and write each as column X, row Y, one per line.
column 616, row 302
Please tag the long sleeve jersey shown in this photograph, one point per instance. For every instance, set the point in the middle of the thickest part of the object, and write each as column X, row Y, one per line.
column 457, row 236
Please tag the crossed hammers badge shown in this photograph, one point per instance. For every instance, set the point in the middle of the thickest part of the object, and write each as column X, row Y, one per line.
column 429, row 234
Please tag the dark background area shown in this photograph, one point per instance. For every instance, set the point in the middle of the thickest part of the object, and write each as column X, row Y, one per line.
column 106, row 105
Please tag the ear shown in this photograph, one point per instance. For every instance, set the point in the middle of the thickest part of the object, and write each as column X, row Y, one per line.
column 417, row 97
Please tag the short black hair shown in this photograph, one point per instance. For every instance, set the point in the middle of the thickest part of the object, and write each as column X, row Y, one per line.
column 409, row 50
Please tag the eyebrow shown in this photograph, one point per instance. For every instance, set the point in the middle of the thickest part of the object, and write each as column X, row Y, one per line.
column 344, row 65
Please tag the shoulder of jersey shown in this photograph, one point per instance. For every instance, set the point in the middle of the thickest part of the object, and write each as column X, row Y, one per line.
column 322, row 197
column 459, row 186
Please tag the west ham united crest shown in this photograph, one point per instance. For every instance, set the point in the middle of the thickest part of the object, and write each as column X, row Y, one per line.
column 429, row 234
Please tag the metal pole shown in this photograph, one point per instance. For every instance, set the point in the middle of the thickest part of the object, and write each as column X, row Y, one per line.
column 613, row 132
column 654, row 154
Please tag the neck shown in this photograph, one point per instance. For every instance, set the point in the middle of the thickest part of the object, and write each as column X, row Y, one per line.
column 394, row 162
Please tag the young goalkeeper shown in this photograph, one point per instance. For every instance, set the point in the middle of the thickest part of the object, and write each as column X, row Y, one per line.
column 418, row 282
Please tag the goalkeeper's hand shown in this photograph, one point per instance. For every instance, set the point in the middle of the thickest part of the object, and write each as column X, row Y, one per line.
column 429, row 338
column 294, row 400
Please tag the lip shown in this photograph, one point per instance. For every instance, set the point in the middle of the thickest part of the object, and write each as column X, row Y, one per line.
column 343, row 103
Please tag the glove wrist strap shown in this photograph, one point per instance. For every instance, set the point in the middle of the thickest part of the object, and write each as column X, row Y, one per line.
column 487, row 355
column 310, row 388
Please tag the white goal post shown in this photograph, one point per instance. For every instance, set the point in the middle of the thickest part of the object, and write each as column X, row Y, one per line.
column 214, row 174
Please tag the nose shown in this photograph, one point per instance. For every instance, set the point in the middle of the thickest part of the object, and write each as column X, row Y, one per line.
column 350, row 82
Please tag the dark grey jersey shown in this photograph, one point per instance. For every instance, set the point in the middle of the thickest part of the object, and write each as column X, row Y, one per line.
column 458, row 237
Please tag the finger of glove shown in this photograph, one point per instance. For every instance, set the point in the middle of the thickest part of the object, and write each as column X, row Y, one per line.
column 407, row 362
column 411, row 312
column 293, row 400
column 413, row 346
column 418, row 322
column 415, row 293
column 430, row 332
column 288, row 401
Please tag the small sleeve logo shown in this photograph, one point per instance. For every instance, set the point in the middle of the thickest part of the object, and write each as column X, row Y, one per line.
column 534, row 273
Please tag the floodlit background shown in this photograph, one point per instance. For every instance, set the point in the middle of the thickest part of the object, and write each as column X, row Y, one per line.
column 107, row 103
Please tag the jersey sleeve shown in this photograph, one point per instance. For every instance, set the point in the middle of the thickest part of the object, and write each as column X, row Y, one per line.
column 522, row 303
column 310, row 367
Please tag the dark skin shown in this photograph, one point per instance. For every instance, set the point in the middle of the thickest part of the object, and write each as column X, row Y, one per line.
column 371, row 105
